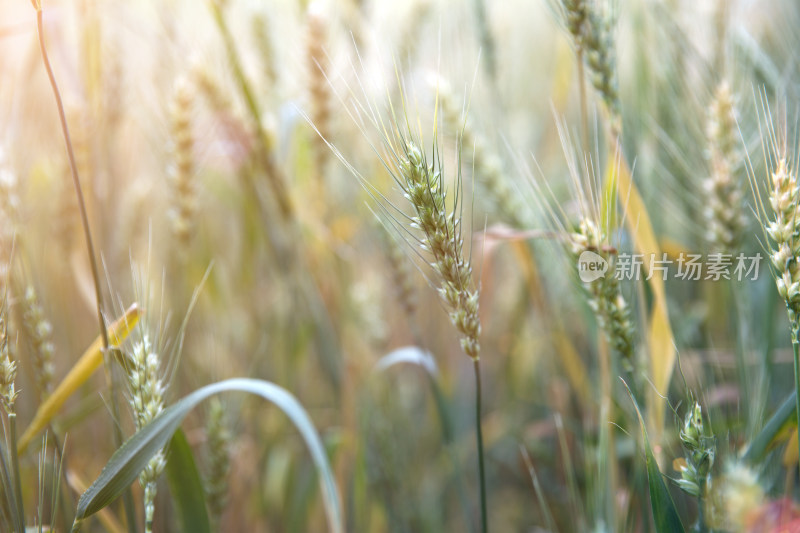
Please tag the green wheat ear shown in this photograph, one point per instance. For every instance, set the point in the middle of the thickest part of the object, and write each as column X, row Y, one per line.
column 146, row 388
column 590, row 27
column 604, row 294
column 218, row 447
column 441, row 239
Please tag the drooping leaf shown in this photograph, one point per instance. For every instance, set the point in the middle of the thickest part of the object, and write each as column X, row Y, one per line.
column 130, row 459
column 665, row 515
column 186, row 486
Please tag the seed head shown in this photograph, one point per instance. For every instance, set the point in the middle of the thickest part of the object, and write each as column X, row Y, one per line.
column 441, row 238
column 784, row 231
column 147, row 401
column 39, row 332
column 699, row 450
column 725, row 221
column 605, row 296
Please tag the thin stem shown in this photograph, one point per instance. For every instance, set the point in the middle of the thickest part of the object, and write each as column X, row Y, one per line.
column 700, row 527
column 476, row 364
column 75, row 180
column 606, row 435
column 742, row 372
column 537, row 488
column 12, row 430
column 445, row 421
column 127, row 498
column 796, row 351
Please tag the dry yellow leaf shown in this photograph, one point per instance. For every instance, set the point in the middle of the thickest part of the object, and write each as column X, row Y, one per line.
column 90, row 361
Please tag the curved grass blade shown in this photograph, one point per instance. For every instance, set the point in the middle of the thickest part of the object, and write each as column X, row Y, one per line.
column 129, row 460
column 783, row 419
column 665, row 515
column 90, row 361
column 186, row 486
column 407, row 354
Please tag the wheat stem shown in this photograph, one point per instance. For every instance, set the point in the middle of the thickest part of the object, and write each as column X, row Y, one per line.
column 796, row 359
column 446, row 423
column 75, row 179
column 127, row 497
column 12, row 431
column 476, row 365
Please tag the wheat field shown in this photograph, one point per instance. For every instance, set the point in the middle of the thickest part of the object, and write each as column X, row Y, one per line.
column 372, row 266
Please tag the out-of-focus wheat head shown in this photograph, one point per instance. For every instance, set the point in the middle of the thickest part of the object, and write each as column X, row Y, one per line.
column 487, row 165
column 725, row 221
column 318, row 86
column 8, row 366
column 401, row 274
column 182, row 166
column 735, row 498
column 218, row 448
column 589, row 23
column 9, row 213
column 39, row 332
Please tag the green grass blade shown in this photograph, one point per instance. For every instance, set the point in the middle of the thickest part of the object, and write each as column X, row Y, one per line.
column 126, row 463
column 764, row 441
column 186, row 486
column 665, row 515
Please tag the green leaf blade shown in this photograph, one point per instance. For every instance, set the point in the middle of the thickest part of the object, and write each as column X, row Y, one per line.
column 765, row 439
column 186, row 486
column 126, row 463
column 665, row 515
